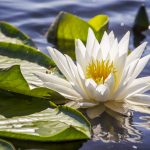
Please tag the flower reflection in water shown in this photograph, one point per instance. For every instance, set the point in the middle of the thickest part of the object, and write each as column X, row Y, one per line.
column 114, row 127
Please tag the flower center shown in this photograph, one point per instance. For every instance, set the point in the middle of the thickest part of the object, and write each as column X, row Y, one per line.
column 99, row 70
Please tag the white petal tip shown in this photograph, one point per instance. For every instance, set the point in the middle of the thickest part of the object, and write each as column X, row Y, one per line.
column 49, row 48
column 91, row 33
column 128, row 33
column 111, row 33
column 90, row 30
column 145, row 43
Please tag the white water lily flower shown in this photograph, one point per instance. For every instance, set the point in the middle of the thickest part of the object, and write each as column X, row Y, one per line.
column 104, row 75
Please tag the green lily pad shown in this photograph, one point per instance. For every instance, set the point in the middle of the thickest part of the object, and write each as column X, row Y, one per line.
column 21, row 79
column 99, row 24
column 5, row 145
column 22, row 53
column 68, row 27
column 31, row 118
column 11, row 79
column 10, row 34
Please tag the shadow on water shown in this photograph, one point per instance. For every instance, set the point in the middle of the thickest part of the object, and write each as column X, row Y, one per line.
column 29, row 145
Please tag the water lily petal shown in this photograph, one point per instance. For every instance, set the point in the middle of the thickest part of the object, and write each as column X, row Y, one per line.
column 77, row 84
column 96, row 48
column 101, row 93
column 80, row 71
column 118, row 107
column 124, row 83
column 52, row 79
column 90, row 41
column 96, row 111
column 113, row 53
column 125, row 78
column 111, row 37
column 105, row 45
column 110, row 82
column 58, row 84
column 136, row 54
column 72, row 67
column 129, row 71
column 120, row 67
column 130, row 74
column 140, row 66
column 139, row 99
column 136, row 84
column 99, row 56
column 80, row 52
column 123, row 44
column 123, row 51
column 90, row 86
column 61, row 62
column 89, row 46
column 140, row 108
column 69, row 93
column 140, row 82
column 87, row 104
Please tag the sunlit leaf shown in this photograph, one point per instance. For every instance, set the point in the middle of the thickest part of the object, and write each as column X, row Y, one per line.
column 21, row 79
column 99, row 24
column 68, row 27
column 31, row 118
column 11, row 79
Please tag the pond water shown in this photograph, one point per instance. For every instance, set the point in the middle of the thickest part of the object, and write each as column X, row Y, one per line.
column 34, row 17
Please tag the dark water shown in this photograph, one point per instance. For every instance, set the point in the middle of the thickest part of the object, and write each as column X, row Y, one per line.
column 34, row 17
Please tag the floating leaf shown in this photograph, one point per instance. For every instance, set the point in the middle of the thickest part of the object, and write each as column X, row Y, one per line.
column 99, row 24
column 11, row 79
column 68, row 27
column 11, row 34
column 22, row 53
column 31, row 118
column 21, row 79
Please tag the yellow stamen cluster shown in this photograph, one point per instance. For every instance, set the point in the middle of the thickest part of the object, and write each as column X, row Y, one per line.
column 99, row 70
